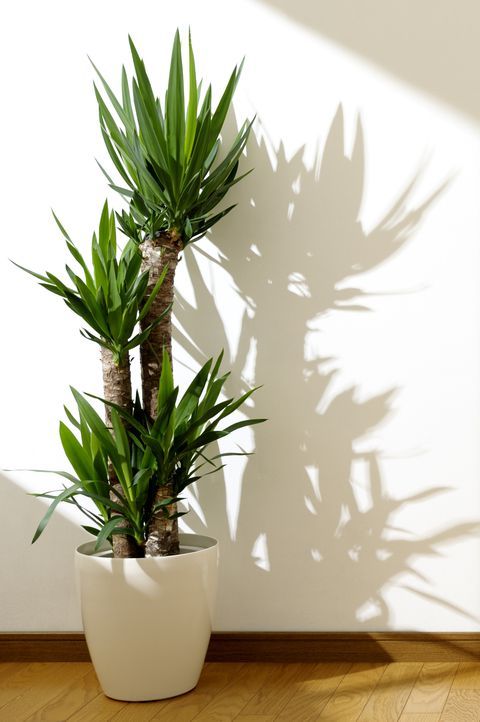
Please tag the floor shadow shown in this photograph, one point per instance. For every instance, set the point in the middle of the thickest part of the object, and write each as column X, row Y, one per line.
column 306, row 553
column 432, row 45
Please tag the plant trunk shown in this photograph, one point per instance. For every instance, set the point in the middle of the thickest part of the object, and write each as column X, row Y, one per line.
column 117, row 388
column 159, row 252
column 162, row 540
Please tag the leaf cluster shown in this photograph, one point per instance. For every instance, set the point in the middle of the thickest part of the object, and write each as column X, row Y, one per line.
column 112, row 295
column 167, row 153
column 184, row 427
column 145, row 453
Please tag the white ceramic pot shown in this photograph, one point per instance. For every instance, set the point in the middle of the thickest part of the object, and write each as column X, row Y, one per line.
column 148, row 621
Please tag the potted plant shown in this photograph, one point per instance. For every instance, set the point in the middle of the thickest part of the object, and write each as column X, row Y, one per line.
column 147, row 592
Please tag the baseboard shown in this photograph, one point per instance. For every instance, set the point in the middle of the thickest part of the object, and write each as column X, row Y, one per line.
column 44, row 647
column 344, row 646
column 273, row 647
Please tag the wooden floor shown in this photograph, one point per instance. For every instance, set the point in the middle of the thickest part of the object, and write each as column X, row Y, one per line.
column 408, row 692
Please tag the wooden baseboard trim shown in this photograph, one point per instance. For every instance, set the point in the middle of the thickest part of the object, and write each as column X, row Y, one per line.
column 273, row 647
column 44, row 647
column 345, row 646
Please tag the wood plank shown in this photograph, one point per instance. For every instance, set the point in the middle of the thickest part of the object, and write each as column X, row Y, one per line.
column 463, row 705
column 38, row 692
column 278, row 688
column 139, row 711
column 215, row 677
column 99, row 709
column 72, row 698
column 232, row 699
column 8, row 669
column 313, row 694
column 44, row 684
column 388, row 699
column 353, row 692
column 431, row 688
column 467, row 676
column 22, row 680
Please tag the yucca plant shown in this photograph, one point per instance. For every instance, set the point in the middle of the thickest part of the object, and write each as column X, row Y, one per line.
column 145, row 455
column 112, row 298
column 167, row 157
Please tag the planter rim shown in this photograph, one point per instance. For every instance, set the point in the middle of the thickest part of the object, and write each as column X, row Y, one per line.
column 202, row 543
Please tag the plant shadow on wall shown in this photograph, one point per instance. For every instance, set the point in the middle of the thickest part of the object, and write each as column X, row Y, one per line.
column 304, row 543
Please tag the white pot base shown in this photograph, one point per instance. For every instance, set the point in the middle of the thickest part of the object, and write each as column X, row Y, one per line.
column 148, row 621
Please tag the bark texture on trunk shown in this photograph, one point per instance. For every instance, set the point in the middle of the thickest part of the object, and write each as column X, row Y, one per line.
column 159, row 252
column 117, row 385
column 162, row 537
column 117, row 388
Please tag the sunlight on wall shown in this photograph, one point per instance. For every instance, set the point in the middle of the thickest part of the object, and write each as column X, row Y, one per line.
column 345, row 282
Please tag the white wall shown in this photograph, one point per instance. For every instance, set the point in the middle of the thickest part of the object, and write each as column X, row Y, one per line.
column 348, row 286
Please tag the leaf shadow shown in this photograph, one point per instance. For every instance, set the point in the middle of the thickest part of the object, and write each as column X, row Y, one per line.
column 304, row 553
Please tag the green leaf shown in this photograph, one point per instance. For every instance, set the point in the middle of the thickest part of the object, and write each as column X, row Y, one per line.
column 140, row 486
column 191, row 396
column 131, row 421
column 71, row 418
column 96, row 339
column 217, row 364
column 106, row 119
column 97, row 426
column 91, row 530
column 141, row 337
column 116, row 160
column 32, row 273
column 154, row 110
column 220, row 114
column 234, row 405
column 165, row 502
column 167, row 163
column 153, row 142
column 62, row 229
column 193, row 425
column 61, row 497
column 205, row 438
column 191, row 124
column 126, row 99
column 99, row 266
column 175, row 104
column 76, row 454
column 79, row 258
column 211, row 220
column 105, row 240
column 188, row 229
column 111, row 527
column 165, row 387
column 124, row 116
column 241, row 424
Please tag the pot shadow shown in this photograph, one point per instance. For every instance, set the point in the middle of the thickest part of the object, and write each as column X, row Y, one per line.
column 442, row 56
column 314, row 553
column 37, row 591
